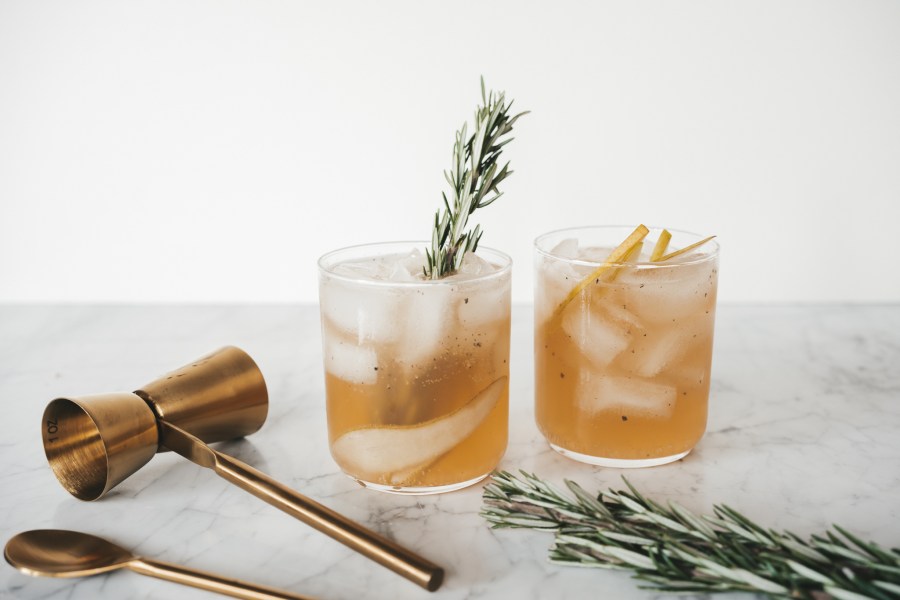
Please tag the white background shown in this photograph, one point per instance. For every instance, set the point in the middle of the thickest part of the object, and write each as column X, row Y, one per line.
column 212, row 150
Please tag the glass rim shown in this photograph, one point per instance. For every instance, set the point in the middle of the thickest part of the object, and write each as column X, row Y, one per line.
column 712, row 245
column 325, row 268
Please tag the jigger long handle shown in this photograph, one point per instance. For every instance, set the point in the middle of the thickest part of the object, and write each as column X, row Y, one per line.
column 380, row 549
column 209, row 581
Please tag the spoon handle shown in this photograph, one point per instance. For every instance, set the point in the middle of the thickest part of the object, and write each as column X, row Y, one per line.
column 385, row 552
column 209, row 581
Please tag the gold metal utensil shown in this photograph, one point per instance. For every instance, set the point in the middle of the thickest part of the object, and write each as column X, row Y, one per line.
column 63, row 553
column 94, row 442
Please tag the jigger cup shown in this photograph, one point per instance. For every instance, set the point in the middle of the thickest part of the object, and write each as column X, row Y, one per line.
column 95, row 442
column 221, row 396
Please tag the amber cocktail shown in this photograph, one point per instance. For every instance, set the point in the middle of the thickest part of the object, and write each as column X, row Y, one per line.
column 416, row 370
column 622, row 361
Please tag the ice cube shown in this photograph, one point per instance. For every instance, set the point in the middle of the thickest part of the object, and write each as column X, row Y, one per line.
column 374, row 268
column 353, row 269
column 370, row 312
column 555, row 280
column 598, row 337
column 488, row 303
column 567, row 248
column 406, row 267
column 690, row 376
column 617, row 312
column 363, row 313
column 599, row 254
column 669, row 294
column 412, row 318
column 656, row 349
column 597, row 392
column 349, row 361
column 400, row 272
column 423, row 323
column 594, row 254
column 472, row 266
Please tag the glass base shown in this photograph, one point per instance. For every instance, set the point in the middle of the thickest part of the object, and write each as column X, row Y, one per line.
column 620, row 463
column 417, row 491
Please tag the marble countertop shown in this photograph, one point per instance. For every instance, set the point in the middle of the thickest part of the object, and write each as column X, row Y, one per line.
column 804, row 432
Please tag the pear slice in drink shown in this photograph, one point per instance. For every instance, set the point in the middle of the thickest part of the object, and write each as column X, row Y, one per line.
column 377, row 453
column 608, row 270
column 662, row 244
column 684, row 250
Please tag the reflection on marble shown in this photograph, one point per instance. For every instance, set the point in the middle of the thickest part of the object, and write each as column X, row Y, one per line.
column 803, row 433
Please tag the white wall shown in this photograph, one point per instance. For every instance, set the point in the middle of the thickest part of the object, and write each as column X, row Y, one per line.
column 206, row 150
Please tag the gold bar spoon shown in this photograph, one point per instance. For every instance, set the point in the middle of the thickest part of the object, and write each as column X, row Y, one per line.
column 64, row 553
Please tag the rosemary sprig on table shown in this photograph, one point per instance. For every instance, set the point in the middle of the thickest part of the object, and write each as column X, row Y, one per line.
column 678, row 551
column 473, row 180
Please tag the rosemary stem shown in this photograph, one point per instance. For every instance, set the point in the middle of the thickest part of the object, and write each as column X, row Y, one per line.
column 671, row 549
column 472, row 177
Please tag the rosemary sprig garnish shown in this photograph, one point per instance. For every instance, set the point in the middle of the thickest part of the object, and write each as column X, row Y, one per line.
column 678, row 551
column 473, row 180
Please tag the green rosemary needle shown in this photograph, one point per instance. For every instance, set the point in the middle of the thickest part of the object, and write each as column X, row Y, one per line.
column 473, row 178
column 675, row 550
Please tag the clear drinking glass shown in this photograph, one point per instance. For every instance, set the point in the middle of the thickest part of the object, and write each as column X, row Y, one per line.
column 622, row 369
column 416, row 370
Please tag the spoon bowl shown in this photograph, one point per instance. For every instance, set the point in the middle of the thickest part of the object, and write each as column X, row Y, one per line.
column 62, row 553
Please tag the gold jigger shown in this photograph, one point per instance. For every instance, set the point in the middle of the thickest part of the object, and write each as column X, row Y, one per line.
column 95, row 442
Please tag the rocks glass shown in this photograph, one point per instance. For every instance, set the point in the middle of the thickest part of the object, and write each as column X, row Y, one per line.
column 416, row 370
column 622, row 369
